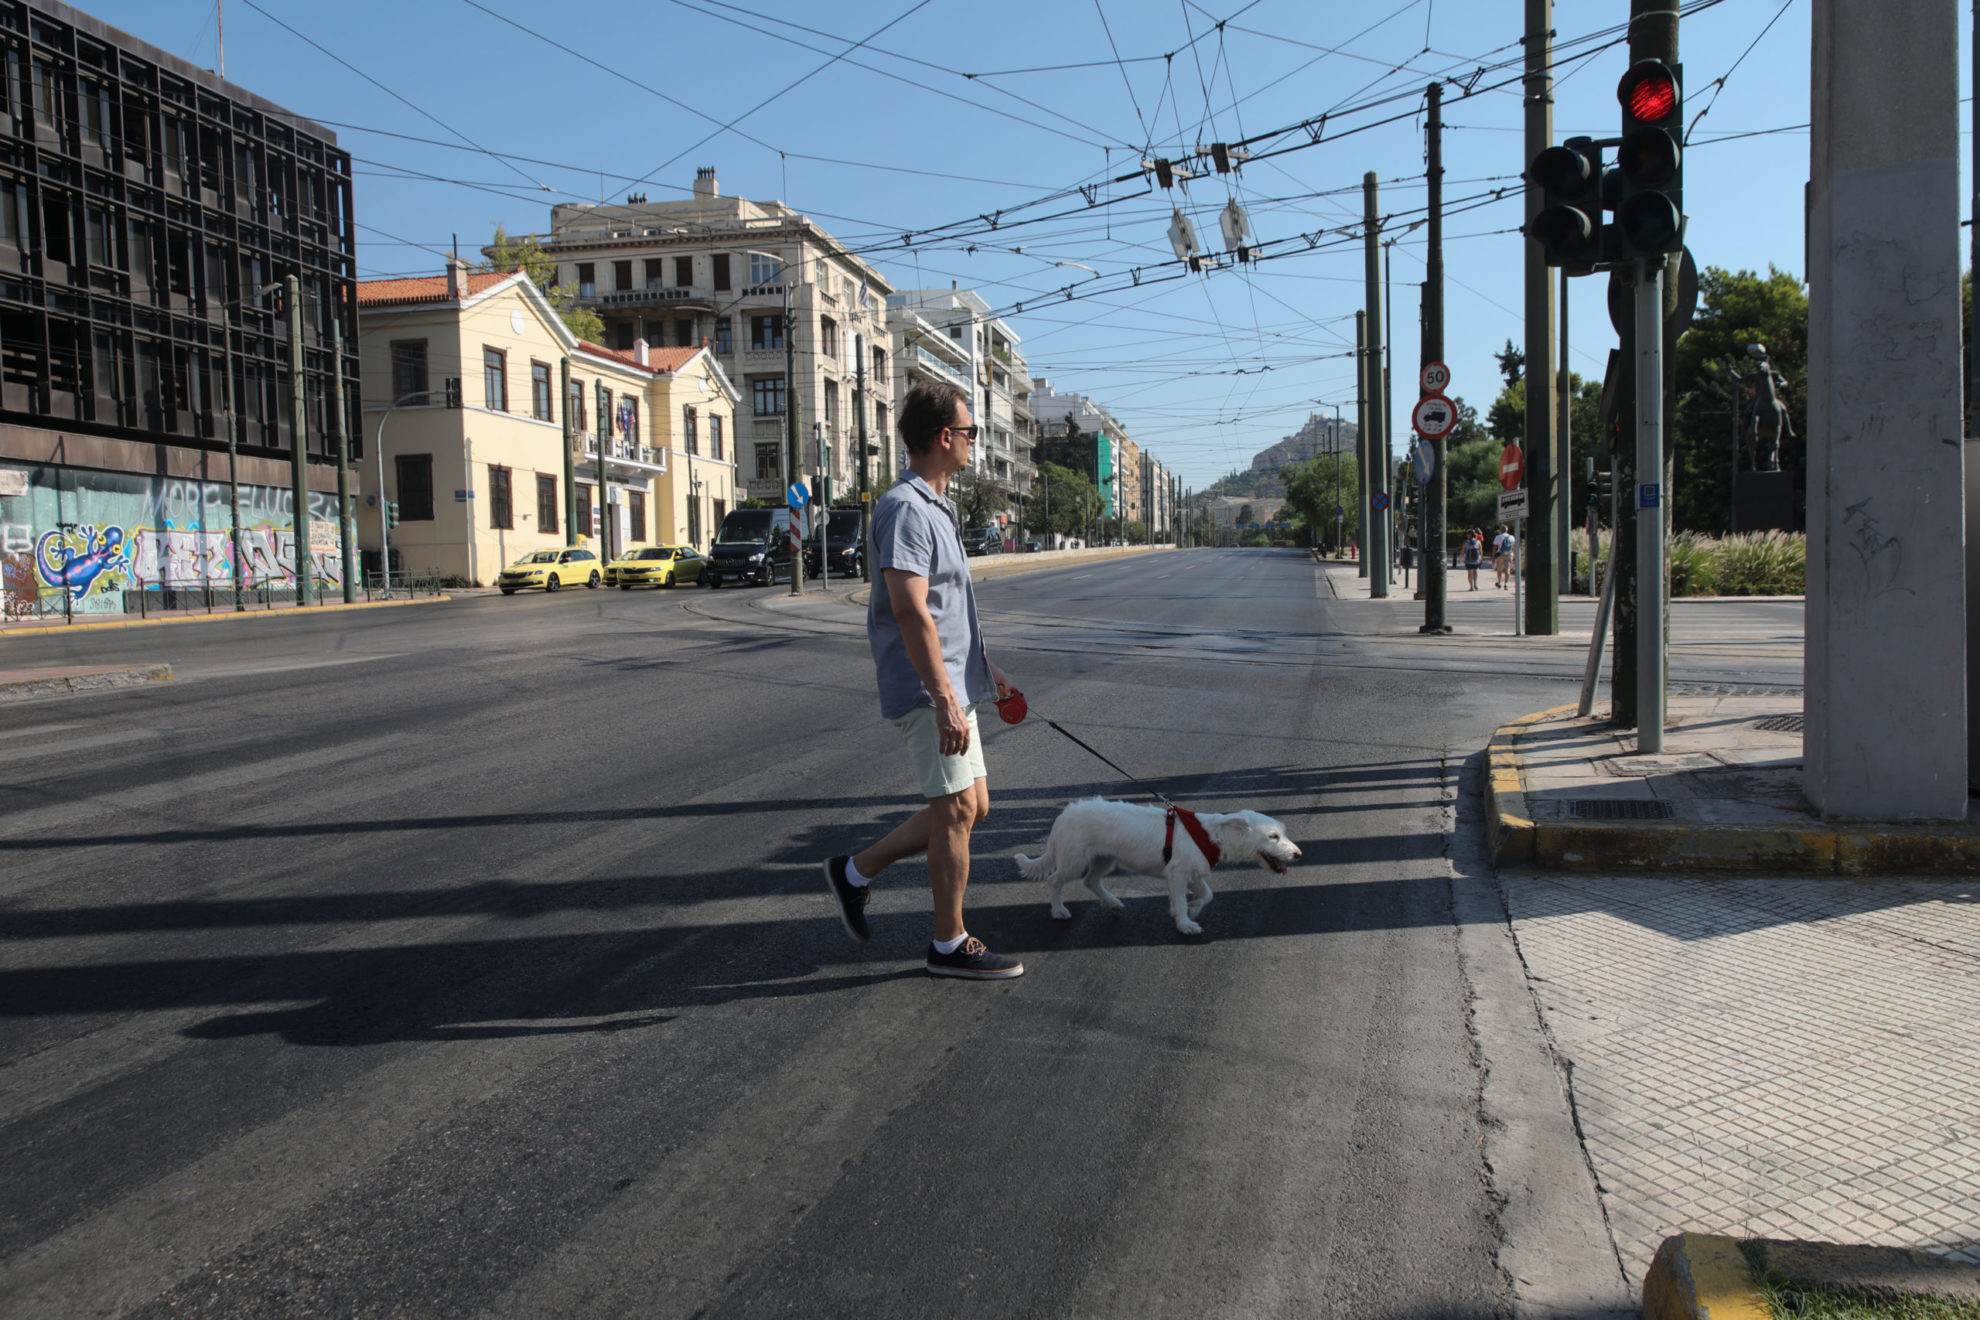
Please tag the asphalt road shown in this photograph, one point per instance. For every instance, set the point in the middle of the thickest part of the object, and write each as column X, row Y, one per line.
column 473, row 959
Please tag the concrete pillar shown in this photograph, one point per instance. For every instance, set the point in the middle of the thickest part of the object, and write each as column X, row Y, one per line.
column 1886, row 614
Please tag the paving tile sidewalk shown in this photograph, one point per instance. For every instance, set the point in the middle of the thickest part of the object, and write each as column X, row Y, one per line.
column 1790, row 1058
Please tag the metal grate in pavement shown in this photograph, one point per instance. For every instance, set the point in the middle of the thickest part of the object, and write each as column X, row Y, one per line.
column 1690, row 689
column 1618, row 809
column 1780, row 724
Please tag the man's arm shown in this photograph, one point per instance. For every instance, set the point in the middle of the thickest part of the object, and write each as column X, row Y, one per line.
column 908, row 593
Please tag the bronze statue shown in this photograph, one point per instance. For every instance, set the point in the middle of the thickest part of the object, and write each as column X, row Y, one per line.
column 1767, row 417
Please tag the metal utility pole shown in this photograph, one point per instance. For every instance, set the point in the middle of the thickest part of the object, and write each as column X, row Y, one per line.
column 346, row 515
column 794, row 462
column 1543, row 477
column 1564, row 461
column 1377, row 539
column 865, row 489
column 570, row 455
column 299, row 436
column 602, row 431
column 1434, row 579
column 1389, row 407
column 1361, row 433
column 234, row 446
column 1622, row 526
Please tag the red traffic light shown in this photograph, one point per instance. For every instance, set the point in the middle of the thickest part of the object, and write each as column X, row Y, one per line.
column 1649, row 92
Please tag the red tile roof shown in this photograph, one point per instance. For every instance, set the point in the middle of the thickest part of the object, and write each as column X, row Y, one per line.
column 422, row 288
column 657, row 359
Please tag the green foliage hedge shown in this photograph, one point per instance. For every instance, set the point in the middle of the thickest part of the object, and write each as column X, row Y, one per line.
column 1748, row 564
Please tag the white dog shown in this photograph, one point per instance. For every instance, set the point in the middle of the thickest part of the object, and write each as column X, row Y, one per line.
column 1094, row 835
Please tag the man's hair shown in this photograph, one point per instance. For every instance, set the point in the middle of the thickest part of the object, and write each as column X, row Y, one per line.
column 925, row 411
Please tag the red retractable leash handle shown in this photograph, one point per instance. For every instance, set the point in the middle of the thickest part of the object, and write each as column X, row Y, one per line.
column 1012, row 709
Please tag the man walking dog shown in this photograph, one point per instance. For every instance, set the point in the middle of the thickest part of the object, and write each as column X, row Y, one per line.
column 928, row 656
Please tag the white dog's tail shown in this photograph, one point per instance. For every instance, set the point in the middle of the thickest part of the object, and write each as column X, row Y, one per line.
column 1036, row 868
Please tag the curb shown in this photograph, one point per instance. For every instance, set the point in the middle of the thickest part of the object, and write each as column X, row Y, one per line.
column 312, row 611
column 1698, row 1276
column 88, row 678
column 1518, row 840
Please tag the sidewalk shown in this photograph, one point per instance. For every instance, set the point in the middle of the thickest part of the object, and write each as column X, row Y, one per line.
column 19, row 684
column 157, row 618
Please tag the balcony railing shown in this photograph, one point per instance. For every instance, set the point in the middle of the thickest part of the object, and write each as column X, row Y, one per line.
column 652, row 297
column 763, row 290
column 620, row 450
column 954, row 375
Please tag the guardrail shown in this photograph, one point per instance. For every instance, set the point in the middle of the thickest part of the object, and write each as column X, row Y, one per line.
column 147, row 598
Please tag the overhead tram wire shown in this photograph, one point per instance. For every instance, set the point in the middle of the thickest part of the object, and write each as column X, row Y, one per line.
column 1147, row 130
column 323, row 50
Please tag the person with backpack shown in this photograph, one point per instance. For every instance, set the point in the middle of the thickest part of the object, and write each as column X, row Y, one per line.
column 1474, row 551
column 1502, row 556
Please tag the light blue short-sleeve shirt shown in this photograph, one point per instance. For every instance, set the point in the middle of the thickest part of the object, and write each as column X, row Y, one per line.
column 919, row 532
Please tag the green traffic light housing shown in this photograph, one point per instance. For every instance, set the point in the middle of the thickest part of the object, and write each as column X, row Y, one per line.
column 1650, row 160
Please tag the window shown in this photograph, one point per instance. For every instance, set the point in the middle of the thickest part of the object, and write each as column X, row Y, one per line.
column 636, row 514
column 766, row 462
column 604, row 411
column 586, row 524
column 656, row 272
column 575, row 406
column 769, row 396
column 880, row 424
column 495, row 378
column 546, row 504
column 766, row 332
column 415, row 487
column 879, row 364
column 587, row 277
column 764, row 268
column 539, row 391
column 831, row 406
column 721, row 263
column 725, row 335
column 683, row 333
column 715, row 435
column 623, row 334
column 690, row 434
column 683, row 272
column 828, row 336
column 721, row 511
column 408, row 367
column 629, row 419
column 955, row 332
column 622, row 275
column 96, row 223
column 501, row 509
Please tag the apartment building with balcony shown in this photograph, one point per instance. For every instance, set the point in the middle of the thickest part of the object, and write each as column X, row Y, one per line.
column 1099, row 448
column 145, row 204
column 470, row 384
column 925, row 353
column 998, row 376
column 739, row 275
column 1159, row 496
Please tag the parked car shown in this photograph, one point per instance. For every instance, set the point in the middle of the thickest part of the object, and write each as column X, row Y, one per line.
column 1032, row 547
column 752, row 545
column 551, row 570
column 845, row 544
column 655, row 566
column 983, row 540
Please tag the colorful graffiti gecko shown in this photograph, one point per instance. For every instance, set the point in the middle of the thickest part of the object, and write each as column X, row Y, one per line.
column 75, row 557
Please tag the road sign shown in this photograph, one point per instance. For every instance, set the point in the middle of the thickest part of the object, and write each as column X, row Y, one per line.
column 1433, row 417
column 1512, row 467
column 1380, row 501
column 1424, row 459
column 1649, row 495
column 797, row 496
column 1512, row 504
column 463, row 496
column 1434, row 378
column 1340, row 514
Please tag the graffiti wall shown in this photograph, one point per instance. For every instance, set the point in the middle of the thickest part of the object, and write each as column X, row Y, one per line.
column 94, row 535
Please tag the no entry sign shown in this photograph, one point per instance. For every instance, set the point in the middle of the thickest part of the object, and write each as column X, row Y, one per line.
column 1512, row 467
column 1433, row 417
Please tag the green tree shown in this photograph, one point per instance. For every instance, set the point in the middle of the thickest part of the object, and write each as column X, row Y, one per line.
column 1072, row 500
column 1505, row 422
column 978, row 496
column 1245, row 515
column 1735, row 309
column 526, row 254
column 1512, row 363
column 1137, row 532
column 1315, row 488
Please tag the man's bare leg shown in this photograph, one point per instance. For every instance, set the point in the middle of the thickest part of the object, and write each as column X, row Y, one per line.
column 941, row 829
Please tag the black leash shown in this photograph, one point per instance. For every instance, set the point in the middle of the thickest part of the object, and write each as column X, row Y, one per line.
column 1097, row 754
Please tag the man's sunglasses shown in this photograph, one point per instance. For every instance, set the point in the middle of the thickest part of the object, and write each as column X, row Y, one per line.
column 966, row 432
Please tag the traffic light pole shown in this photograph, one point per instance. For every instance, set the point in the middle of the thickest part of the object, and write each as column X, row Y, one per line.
column 1362, row 430
column 1435, row 578
column 1651, row 505
column 1543, row 479
column 570, row 458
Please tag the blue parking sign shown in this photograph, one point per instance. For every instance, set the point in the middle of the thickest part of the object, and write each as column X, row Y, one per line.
column 1649, row 495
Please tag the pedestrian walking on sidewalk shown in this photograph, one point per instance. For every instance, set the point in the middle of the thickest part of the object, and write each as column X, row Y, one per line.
column 1474, row 551
column 1502, row 555
column 933, row 674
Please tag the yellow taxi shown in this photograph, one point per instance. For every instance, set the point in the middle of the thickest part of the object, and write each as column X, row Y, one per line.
column 655, row 566
column 552, row 570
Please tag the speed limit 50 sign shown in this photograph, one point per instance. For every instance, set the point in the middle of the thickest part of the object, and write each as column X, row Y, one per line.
column 1434, row 378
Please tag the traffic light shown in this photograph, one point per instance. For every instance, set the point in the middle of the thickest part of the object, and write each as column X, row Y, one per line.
column 1650, row 160
column 1569, row 223
column 391, row 513
column 1601, row 485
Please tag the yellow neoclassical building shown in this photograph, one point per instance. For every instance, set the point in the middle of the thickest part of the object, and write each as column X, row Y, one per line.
column 494, row 429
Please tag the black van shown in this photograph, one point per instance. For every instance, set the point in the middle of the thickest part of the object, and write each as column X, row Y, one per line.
column 753, row 545
column 845, row 544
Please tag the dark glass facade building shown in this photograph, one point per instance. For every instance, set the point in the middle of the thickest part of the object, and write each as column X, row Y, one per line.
column 145, row 204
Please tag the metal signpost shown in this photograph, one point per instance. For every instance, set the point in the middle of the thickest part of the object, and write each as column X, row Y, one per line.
column 1512, row 509
column 795, row 499
column 1433, row 418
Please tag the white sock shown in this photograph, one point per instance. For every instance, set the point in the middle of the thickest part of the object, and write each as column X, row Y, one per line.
column 950, row 946
column 854, row 878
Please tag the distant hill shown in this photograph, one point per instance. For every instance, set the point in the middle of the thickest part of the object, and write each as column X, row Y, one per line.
column 1246, row 485
column 1315, row 437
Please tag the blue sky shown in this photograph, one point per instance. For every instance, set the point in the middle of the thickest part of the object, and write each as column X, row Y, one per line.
column 1205, row 370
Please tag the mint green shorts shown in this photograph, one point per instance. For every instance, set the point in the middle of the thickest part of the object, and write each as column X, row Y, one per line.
column 939, row 775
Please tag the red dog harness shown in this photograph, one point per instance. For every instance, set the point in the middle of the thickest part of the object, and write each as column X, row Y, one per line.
column 1194, row 828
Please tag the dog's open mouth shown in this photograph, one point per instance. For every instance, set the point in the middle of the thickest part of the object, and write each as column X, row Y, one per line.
column 1276, row 865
